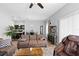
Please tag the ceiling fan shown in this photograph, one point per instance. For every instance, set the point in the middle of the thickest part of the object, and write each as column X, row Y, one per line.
column 39, row 4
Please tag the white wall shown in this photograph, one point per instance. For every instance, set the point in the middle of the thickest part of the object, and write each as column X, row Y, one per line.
column 4, row 22
column 35, row 26
column 65, row 27
column 32, row 24
column 69, row 25
column 64, row 17
column 75, row 24
column 67, row 10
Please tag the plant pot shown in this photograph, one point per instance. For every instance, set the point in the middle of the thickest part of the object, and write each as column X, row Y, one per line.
column 31, row 33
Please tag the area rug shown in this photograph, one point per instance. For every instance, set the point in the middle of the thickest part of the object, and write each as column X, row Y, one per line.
column 29, row 52
column 22, row 52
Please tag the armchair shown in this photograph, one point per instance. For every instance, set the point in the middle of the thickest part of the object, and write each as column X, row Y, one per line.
column 68, row 47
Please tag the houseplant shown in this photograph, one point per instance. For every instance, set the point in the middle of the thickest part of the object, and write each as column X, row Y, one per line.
column 11, row 31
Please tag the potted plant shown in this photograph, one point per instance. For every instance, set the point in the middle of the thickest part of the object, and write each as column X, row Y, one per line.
column 31, row 32
column 11, row 31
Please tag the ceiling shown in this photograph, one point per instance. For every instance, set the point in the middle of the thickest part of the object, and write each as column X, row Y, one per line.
column 21, row 11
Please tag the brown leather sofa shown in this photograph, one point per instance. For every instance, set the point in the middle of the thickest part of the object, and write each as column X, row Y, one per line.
column 68, row 47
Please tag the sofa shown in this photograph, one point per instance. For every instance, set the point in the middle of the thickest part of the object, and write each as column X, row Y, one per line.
column 23, row 42
column 5, row 42
column 32, row 41
column 7, row 47
column 68, row 47
column 42, row 41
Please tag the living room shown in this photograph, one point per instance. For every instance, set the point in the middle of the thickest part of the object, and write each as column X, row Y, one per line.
column 28, row 29
column 24, row 33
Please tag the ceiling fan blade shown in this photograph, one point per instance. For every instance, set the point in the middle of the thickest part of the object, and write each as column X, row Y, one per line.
column 31, row 5
column 40, row 5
